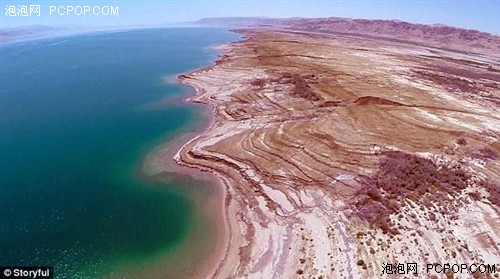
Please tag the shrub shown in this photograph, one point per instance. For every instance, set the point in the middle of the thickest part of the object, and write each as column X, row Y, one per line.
column 485, row 153
column 401, row 177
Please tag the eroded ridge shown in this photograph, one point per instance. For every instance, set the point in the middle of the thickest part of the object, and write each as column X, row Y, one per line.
column 341, row 154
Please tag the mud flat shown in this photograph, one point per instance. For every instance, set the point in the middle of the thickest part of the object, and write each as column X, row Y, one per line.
column 340, row 154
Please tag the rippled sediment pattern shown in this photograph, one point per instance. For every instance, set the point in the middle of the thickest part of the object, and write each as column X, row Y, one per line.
column 307, row 128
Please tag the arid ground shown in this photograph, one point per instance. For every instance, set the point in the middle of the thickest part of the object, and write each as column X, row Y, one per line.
column 343, row 153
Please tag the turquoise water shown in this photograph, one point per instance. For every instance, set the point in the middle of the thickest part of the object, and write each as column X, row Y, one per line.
column 77, row 115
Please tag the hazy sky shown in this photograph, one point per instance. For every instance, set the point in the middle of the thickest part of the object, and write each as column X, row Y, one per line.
column 476, row 14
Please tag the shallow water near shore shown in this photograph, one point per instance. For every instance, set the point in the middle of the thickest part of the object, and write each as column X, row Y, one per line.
column 78, row 116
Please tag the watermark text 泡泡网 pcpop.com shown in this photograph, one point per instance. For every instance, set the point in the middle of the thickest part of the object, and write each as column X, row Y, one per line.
column 61, row 10
column 436, row 269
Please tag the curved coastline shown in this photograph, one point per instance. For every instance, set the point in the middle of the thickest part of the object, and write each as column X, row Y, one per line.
column 278, row 208
column 197, row 249
column 228, row 224
column 165, row 161
column 208, row 194
column 212, row 269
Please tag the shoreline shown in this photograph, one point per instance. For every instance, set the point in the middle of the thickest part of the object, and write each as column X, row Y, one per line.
column 288, row 158
column 161, row 163
column 218, row 181
column 228, row 221
column 165, row 161
column 206, row 190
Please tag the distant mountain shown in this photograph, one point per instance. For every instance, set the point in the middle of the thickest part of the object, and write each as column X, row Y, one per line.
column 240, row 21
column 16, row 33
column 437, row 35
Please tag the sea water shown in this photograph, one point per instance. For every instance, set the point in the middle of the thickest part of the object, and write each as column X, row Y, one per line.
column 77, row 116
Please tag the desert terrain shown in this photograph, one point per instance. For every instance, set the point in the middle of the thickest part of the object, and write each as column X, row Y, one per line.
column 342, row 153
